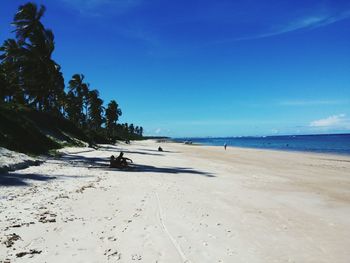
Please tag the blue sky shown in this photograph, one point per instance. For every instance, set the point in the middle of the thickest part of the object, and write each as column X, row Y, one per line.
column 209, row 68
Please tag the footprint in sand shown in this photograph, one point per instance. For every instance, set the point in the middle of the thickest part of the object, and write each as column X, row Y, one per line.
column 10, row 239
column 211, row 236
column 229, row 233
column 111, row 238
column 115, row 254
column 230, row 252
column 58, row 229
column 136, row 257
column 30, row 252
column 47, row 217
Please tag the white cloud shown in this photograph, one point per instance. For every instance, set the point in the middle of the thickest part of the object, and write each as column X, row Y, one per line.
column 223, row 122
column 332, row 122
column 275, row 131
column 306, row 22
column 310, row 22
column 158, row 132
column 94, row 7
column 88, row 3
column 311, row 102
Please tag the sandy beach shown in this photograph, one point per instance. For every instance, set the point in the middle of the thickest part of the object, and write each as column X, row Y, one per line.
column 186, row 204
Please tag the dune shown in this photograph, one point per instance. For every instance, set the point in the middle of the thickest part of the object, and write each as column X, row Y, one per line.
column 185, row 204
column 11, row 161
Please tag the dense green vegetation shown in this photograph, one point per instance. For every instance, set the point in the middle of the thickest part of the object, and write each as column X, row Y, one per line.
column 33, row 95
column 26, row 130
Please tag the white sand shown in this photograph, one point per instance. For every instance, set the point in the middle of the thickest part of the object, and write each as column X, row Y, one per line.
column 10, row 160
column 187, row 204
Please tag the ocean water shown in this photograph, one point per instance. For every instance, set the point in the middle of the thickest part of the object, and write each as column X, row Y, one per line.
column 330, row 143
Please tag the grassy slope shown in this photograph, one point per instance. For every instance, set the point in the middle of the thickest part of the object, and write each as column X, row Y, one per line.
column 25, row 130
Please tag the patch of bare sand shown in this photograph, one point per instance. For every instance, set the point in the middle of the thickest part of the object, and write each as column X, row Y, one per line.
column 188, row 203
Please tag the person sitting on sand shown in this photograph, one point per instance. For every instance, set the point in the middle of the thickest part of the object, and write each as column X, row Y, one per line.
column 119, row 162
column 112, row 161
column 160, row 149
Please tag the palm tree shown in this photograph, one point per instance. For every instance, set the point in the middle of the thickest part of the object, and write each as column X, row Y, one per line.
column 28, row 74
column 113, row 112
column 39, row 75
column 86, row 101
column 44, row 80
column 137, row 130
column 3, row 84
column 77, row 93
column 57, row 94
column 141, row 131
column 95, row 110
column 11, row 62
column 72, row 108
column 131, row 129
column 27, row 21
column 11, row 51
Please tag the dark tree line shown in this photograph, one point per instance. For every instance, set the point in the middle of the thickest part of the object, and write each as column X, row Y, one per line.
column 30, row 76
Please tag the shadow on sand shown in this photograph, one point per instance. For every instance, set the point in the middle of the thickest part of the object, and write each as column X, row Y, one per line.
column 143, row 153
column 76, row 159
column 103, row 163
column 24, row 179
column 116, row 150
column 18, row 179
column 169, row 170
column 164, row 151
column 84, row 161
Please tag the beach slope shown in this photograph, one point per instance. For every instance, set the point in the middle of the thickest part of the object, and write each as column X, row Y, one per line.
column 186, row 204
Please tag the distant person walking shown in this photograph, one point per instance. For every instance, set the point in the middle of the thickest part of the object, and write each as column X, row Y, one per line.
column 225, row 145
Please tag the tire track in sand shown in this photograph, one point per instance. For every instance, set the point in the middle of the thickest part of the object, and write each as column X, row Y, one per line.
column 176, row 245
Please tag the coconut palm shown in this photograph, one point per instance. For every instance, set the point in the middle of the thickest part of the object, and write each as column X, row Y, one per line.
column 113, row 112
column 131, row 129
column 39, row 75
column 27, row 21
column 3, row 85
column 80, row 91
column 12, row 58
column 42, row 75
column 95, row 110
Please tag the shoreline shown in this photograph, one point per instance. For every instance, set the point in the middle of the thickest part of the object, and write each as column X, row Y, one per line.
column 276, row 150
column 270, row 149
column 200, row 204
